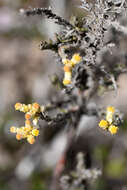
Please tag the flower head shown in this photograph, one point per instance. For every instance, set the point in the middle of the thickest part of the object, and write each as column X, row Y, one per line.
column 108, row 123
column 35, row 132
column 18, row 106
column 103, row 124
column 29, row 131
column 18, row 136
column 113, row 129
column 110, row 109
column 68, row 65
column 31, row 139
column 13, row 129
column 76, row 59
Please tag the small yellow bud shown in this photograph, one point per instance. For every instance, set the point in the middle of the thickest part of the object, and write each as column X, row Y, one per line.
column 24, row 108
column 67, row 62
column 18, row 136
column 66, row 82
column 35, row 132
column 21, row 129
column 18, row 106
column 113, row 129
column 110, row 109
column 76, row 59
column 25, row 134
column 67, row 68
column 13, row 129
column 31, row 139
column 28, row 128
column 27, row 116
column 103, row 124
column 67, row 78
column 27, row 122
column 36, row 106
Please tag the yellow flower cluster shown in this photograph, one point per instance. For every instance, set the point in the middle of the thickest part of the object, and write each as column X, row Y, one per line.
column 29, row 131
column 68, row 65
column 108, row 122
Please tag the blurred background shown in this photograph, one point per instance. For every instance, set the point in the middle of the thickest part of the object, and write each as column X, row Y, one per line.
column 25, row 73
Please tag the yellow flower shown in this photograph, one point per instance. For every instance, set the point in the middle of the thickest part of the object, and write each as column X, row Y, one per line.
column 18, row 106
column 27, row 116
column 31, row 139
column 13, row 129
column 18, row 136
column 66, row 82
column 36, row 107
column 110, row 109
column 32, row 116
column 24, row 108
column 113, row 129
column 67, row 68
column 27, row 123
column 69, row 64
column 76, row 59
column 103, row 124
column 28, row 128
column 35, row 132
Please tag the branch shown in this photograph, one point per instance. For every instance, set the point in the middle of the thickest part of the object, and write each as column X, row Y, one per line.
column 49, row 14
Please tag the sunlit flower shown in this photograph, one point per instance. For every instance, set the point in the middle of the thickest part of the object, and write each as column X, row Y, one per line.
column 35, row 132
column 29, row 131
column 67, row 68
column 66, row 82
column 18, row 106
column 27, row 116
column 36, row 107
column 108, row 123
column 13, row 129
column 76, row 59
column 69, row 64
column 110, row 109
column 113, row 129
column 31, row 139
column 103, row 124
column 18, row 136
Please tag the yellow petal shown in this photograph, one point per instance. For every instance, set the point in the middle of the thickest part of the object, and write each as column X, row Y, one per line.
column 76, row 59
column 13, row 129
column 35, row 132
column 66, row 82
column 18, row 106
column 113, row 129
column 18, row 136
column 31, row 139
column 103, row 124
column 110, row 109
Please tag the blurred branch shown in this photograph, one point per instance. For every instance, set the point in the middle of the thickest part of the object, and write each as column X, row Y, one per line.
column 49, row 14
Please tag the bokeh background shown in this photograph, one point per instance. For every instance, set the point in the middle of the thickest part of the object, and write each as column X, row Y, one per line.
column 25, row 74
